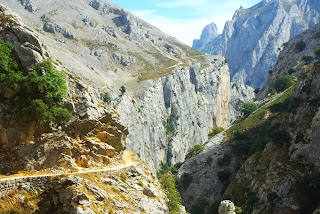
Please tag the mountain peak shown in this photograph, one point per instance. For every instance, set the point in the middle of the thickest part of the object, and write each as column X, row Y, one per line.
column 209, row 33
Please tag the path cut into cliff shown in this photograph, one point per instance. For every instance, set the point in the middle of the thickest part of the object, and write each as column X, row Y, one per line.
column 129, row 159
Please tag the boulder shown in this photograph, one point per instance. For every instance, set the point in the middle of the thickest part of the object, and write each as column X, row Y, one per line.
column 226, row 207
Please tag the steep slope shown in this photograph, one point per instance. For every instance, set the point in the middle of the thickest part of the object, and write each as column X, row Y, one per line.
column 32, row 145
column 77, row 167
column 138, row 69
column 251, row 40
column 269, row 161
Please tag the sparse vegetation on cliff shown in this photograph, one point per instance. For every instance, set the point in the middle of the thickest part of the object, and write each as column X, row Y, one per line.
column 39, row 93
column 169, row 185
column 215, row 131
column 248, row 108
column 194, row 150
column 282, row 83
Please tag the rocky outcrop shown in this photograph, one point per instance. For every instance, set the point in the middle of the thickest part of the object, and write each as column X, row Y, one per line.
column 27, row 45
column 251, row 40
column 51, row 27
column 204, row 169
column 209, row 33
column 226, row 207
column 124, row 60
column 132, row 190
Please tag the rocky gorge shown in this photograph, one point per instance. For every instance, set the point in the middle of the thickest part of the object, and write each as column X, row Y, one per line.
column 267, row 162
column 112, row 60
column 124, row 85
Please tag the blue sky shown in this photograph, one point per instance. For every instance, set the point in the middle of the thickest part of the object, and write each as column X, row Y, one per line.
column 184, row 19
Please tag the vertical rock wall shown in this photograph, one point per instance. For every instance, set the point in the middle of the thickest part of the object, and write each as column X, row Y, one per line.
column 177, row 111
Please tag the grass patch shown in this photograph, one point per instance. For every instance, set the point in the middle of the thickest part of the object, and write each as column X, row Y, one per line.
column 255, row 120
column 194, row 150
column 215, row 131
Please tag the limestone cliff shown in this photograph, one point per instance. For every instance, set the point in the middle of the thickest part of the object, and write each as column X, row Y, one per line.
column 168, row 95
column 77, row 167
column 269, row 161
column 251, row 40
column 177, row 111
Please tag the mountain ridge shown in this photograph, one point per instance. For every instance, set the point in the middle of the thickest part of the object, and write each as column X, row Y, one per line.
column 258, row 32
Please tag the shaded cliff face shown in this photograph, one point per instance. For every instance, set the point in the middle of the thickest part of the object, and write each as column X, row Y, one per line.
column 269, row 161
column 252, row 38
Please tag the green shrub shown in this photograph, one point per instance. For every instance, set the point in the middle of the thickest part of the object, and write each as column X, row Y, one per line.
column 280, row 136
column 300, row 46
column 226, row 60
column 169, row 185
column 215, row 131
column 208, row 161
column 199, row 207
column 307, row 59
column 282, row 83
column 186, row 179
column 213, row 208
column 317, row 53
column 309, row 192
column 248, row 108
column 288, row 105
column 174, row 169
column 39, row 94
column 9, row 74
column 195, row 150
column 169, row 124
column 164, row 168
column 272, row 197
column 225, row 160
column 242, row 147
column 224, row 176
column 272, row 91
column 238, row 210
column 44, row 89
column 106, row 98
column 252, row 198
column 123, row 90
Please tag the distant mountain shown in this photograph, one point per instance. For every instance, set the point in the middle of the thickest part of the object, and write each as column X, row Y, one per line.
column 254, row 36
column 209, row 33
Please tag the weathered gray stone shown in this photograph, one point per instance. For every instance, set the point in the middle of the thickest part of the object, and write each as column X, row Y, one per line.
column 209, row 33
column 124, row 60
column 251, row 40
column 226, row 207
